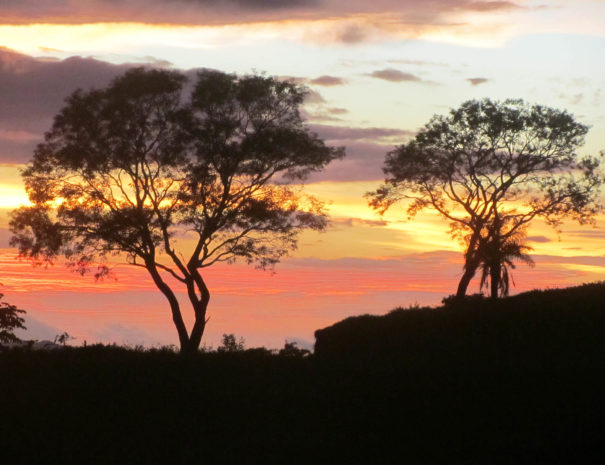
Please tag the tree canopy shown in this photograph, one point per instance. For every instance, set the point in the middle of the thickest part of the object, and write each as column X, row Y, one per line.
column 490, row 168
column 174, row 182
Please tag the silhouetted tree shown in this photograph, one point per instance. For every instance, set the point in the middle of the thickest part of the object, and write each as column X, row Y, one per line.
column 493, row 161
column 173, row 183
column 498, row 253
column 292, row 350
column 230, row 344
column 63, row 338
column 9, row 321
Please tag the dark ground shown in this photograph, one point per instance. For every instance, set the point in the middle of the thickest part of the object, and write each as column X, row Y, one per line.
column 519, row 381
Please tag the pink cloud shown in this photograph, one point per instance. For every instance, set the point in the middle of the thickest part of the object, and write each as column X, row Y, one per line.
column 394, row 75
column 328, row 81
column 477, row 81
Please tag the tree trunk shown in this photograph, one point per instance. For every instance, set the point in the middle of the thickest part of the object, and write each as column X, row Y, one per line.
column 470, row 266
column 200, row 323
column 189, row 347
column 465, row 280
column 199, row 304
column 494, row 273
column 177, row 318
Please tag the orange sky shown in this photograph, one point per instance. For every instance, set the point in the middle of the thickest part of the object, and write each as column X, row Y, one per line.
column 377, row 71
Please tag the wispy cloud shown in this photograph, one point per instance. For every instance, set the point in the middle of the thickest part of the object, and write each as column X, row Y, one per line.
column 394, row 75
column 345, row 133
column 329, row 81
column 477, row 81
column 539, row 239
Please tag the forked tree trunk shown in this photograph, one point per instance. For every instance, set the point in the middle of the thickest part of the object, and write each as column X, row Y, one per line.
column 189, row 343
column 195, row 339
column 200, row 306
column 177, row 318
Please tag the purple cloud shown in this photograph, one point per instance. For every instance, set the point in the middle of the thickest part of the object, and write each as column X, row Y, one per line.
column 328, row 81
column 355, row 133
column 418, row 12
column 33, row 91
column 477, row 81
column 394, row 75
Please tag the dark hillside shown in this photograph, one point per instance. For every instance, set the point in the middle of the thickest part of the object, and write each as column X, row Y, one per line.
column 519, row 381
column 552, row 323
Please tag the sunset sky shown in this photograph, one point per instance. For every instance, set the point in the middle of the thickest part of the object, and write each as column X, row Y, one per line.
column 377, row 71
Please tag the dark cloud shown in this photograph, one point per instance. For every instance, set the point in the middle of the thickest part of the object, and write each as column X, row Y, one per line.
column 539, row 239
column 416, row 12
column 156, row 62
column 33, row 90
column 81, row 11
column 586, row 233
column 328, row 81
column 324, row 116
column 261, row 4
column 352, row 34
column 477, row 81
column 394, row 75
column 314, row 98
column 492, row 6
column 293, row 79
column 577, row 260
column 363, row 162
column 418, row 63
column 366, row 149
column 343, row 133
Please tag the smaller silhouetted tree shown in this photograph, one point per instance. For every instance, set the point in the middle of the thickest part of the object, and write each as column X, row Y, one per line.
column 291, row 349
column 498, row 253
column 9, row 322
column 231, row 344
column 490, row 169
column 63, row 338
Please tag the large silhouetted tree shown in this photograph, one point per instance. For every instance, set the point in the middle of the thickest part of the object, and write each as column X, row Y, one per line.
column 174, row 183
column 490, row 168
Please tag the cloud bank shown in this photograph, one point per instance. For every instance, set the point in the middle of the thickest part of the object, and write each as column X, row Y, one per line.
column 237, row 11
column 32, row 91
